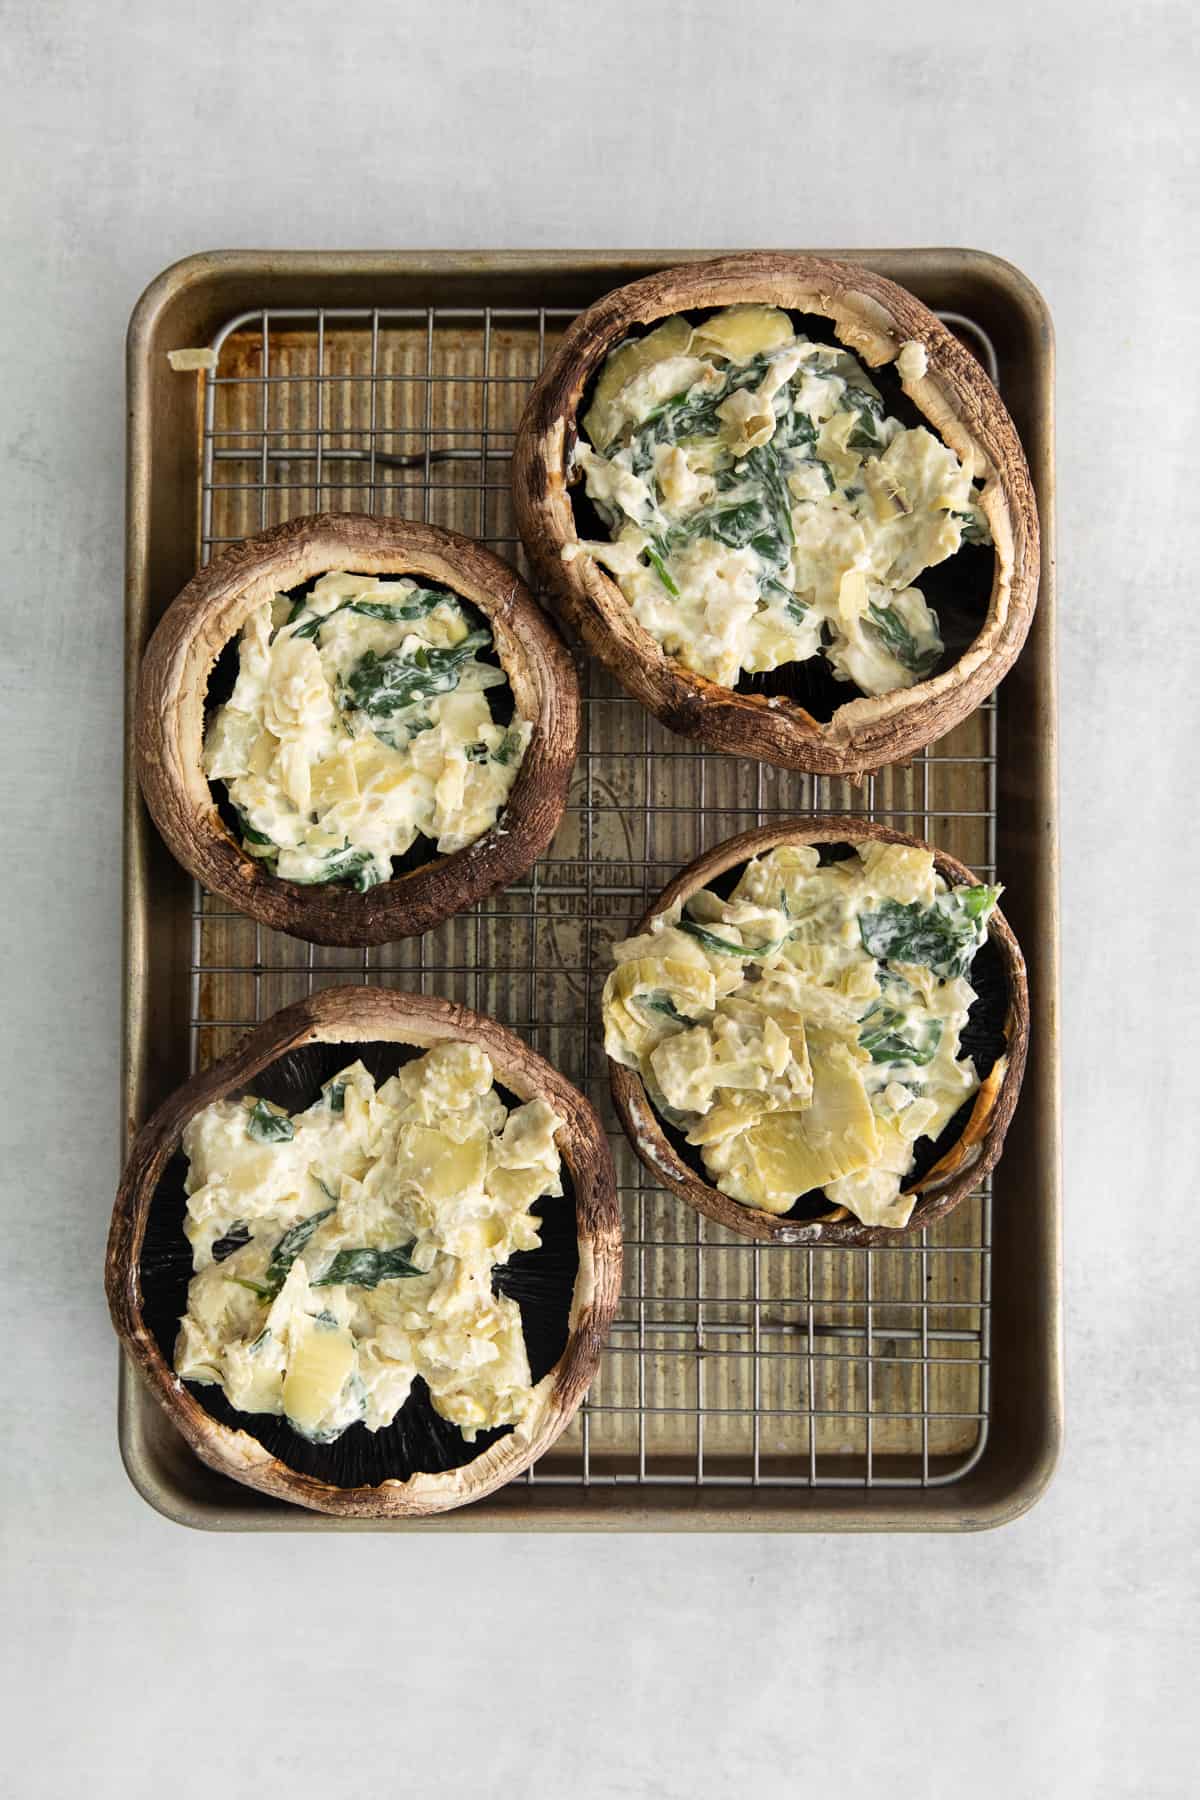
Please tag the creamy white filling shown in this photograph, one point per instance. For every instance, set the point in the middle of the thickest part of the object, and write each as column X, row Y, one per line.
column 359, row 721
column 805, row 1032
column 763, row 506
column 344, row 1251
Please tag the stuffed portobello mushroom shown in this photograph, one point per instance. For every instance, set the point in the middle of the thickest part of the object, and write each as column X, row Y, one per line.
column 818, row 1032
column 351, row 728
column 367, row 1263
column 785, row 506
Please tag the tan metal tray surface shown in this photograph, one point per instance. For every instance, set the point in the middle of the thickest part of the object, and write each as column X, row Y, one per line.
column 746, row 1385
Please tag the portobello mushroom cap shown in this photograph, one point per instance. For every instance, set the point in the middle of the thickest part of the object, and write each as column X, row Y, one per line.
column 874, row 319
column 170, row 723
column 373, row 1020
column 968, row 1148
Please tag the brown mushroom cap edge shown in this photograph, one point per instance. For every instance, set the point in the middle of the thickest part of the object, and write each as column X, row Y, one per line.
column 873, row 318
column 973, row 1154
column 211, row 610
column 357, row 1015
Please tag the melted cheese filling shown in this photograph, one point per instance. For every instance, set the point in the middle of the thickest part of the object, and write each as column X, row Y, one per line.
column 344, row 1251
column 359, row 722
column 804, row 1033
column 762, row 505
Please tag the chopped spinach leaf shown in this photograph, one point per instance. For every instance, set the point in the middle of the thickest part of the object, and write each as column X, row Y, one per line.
column 693, row 418
column 504, row 752
column 282, row 1257
column 900, row 642
column 400, row 734
column 250, row 835
column 335, row 1094
column 254, row 1287
column 974, row 527
column 880, row 1034
column 796, row 431
column 736, row 525
column 295, row 1237
column 235, row 1238
column 269, row 1127
column 285, row 1253
column 660, row 569
column 764, row 464
column 796, row 609
column 978, row 901
column 367, row 1268
column 507, row 748
column 742, row 524
column 662, row 1003
column 417, row 605
column 752, row 373
column 671, row 404
column 726, row 946
column 382, row 685
column 681, row 418
column 867, row 408
column 943, row 937
column 343, row 865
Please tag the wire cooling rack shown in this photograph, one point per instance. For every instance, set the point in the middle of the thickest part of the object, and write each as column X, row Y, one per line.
column 731, row 1362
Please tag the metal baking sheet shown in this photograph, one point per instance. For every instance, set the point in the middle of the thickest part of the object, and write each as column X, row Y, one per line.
column 746, row 1385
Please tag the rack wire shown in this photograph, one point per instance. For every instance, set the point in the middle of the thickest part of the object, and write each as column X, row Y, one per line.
column 731, row 1362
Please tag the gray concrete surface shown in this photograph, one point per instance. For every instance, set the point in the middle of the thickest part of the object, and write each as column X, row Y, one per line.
column 1051, row 1658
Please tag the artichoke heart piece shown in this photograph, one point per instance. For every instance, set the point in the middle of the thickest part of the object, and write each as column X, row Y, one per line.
column 378, row 768
column 684, row 1069
column 518, row 1189
column 782, row 871
column 318, row 1369
column 252, row 1379
column 873, row 1195
column 440, row 1167
column 603, row 416
column 899, row 872
column 740, row 332
column 645, row 1000
column 790, row 1153
column 729, row 1118
column 744, row 1050
column 334, row 779
column 671, row 944
column 799, row 1068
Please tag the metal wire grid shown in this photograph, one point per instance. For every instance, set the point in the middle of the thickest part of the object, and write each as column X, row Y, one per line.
column 731, row 1362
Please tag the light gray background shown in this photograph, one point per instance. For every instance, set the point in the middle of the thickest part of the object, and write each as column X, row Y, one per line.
column 1049, row 1658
